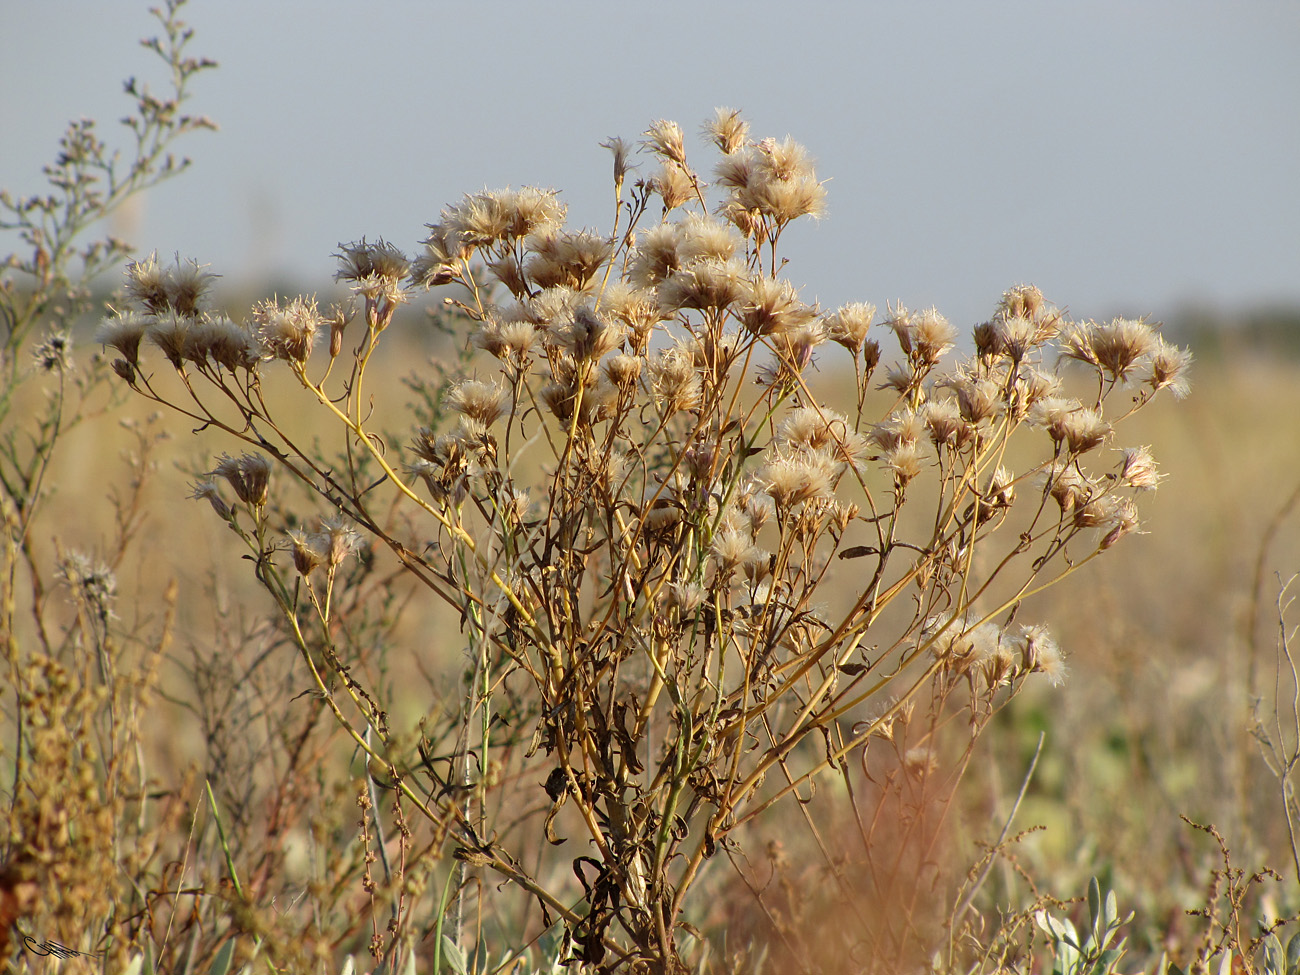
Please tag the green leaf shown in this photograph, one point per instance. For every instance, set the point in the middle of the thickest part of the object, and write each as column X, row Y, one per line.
column 1293, row 955
column 455, row 956
column 221, row 964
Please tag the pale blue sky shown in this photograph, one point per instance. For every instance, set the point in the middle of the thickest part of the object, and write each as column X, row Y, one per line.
column 1124, row 156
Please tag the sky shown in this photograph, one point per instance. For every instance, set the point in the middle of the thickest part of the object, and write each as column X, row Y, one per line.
column 1126, row 157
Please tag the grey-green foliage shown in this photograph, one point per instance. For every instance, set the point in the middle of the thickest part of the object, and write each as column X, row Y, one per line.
column 1275, row 960
column 1098, row 951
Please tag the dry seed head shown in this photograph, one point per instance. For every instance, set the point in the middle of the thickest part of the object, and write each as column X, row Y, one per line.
column 1069, row 422
column 676, row 383
column 485, row 218
column 341, row 540
column 674, row 185
column 248, row 474
column 146, row 284
column 790, row 479
column 1085, row 429
column 772, row 307
column 848, row 325
column 1014, row 337
column 738, row 172
column 306, row 552
column 510, row 272
column 1022, row 300
column 588, row 335
column 1041, row 654
column 901, row 378
column 287, row 330
column 1167, row 368
column 685, row 597
column 180, row 289
column 1076, row 343
column 701, row 237
column 444, row 249
column 899, row 428
column 978, row 399
column 810, row 428
column 705, row 284
column 509, row 341
column 480, row 401
column 664, row 138
column 123, row 332
column 567, row 259
column 700, row 460
column 920, row 761
column 905, row 461
column 658, row 254
column 948, row 637
column 227, row 343
column 1097, row 512
column 942, row 417
column 553, row 306
column 55, row 352
column 373, row 270
column 1000, row 491
column 1123, row 520
column 784, row 200
column 619, row 149
column 786, row 160
column 735, row 549
column 1036, row 384
column 623, row 371
column 1139, row 469
column 637, row 308
column 187, row 285
column 727, row 130
column 932, row 335
column 171, row 334
column 207, row 491
column 516, row 505
column 900, row 320
column 1117, row 346
column 1068, row 487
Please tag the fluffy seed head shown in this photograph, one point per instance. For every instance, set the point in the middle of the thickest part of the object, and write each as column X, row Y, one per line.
column 623, row 371
column 790, row 479
column 1139, row 469
column 1167, row 368
column 479, row 401
column 664, row 138
column 123, row 332
column 619, row 150
column 727, row 130
column 307, row 554
column 287, row 329
column 772, row 307
column 373, row 270
column 848, row 325
column 341, row 540
column 248, row 474
column 704, row 284
column 566, row 259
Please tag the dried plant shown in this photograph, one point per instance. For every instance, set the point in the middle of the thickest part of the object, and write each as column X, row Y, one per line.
column 691, row 588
